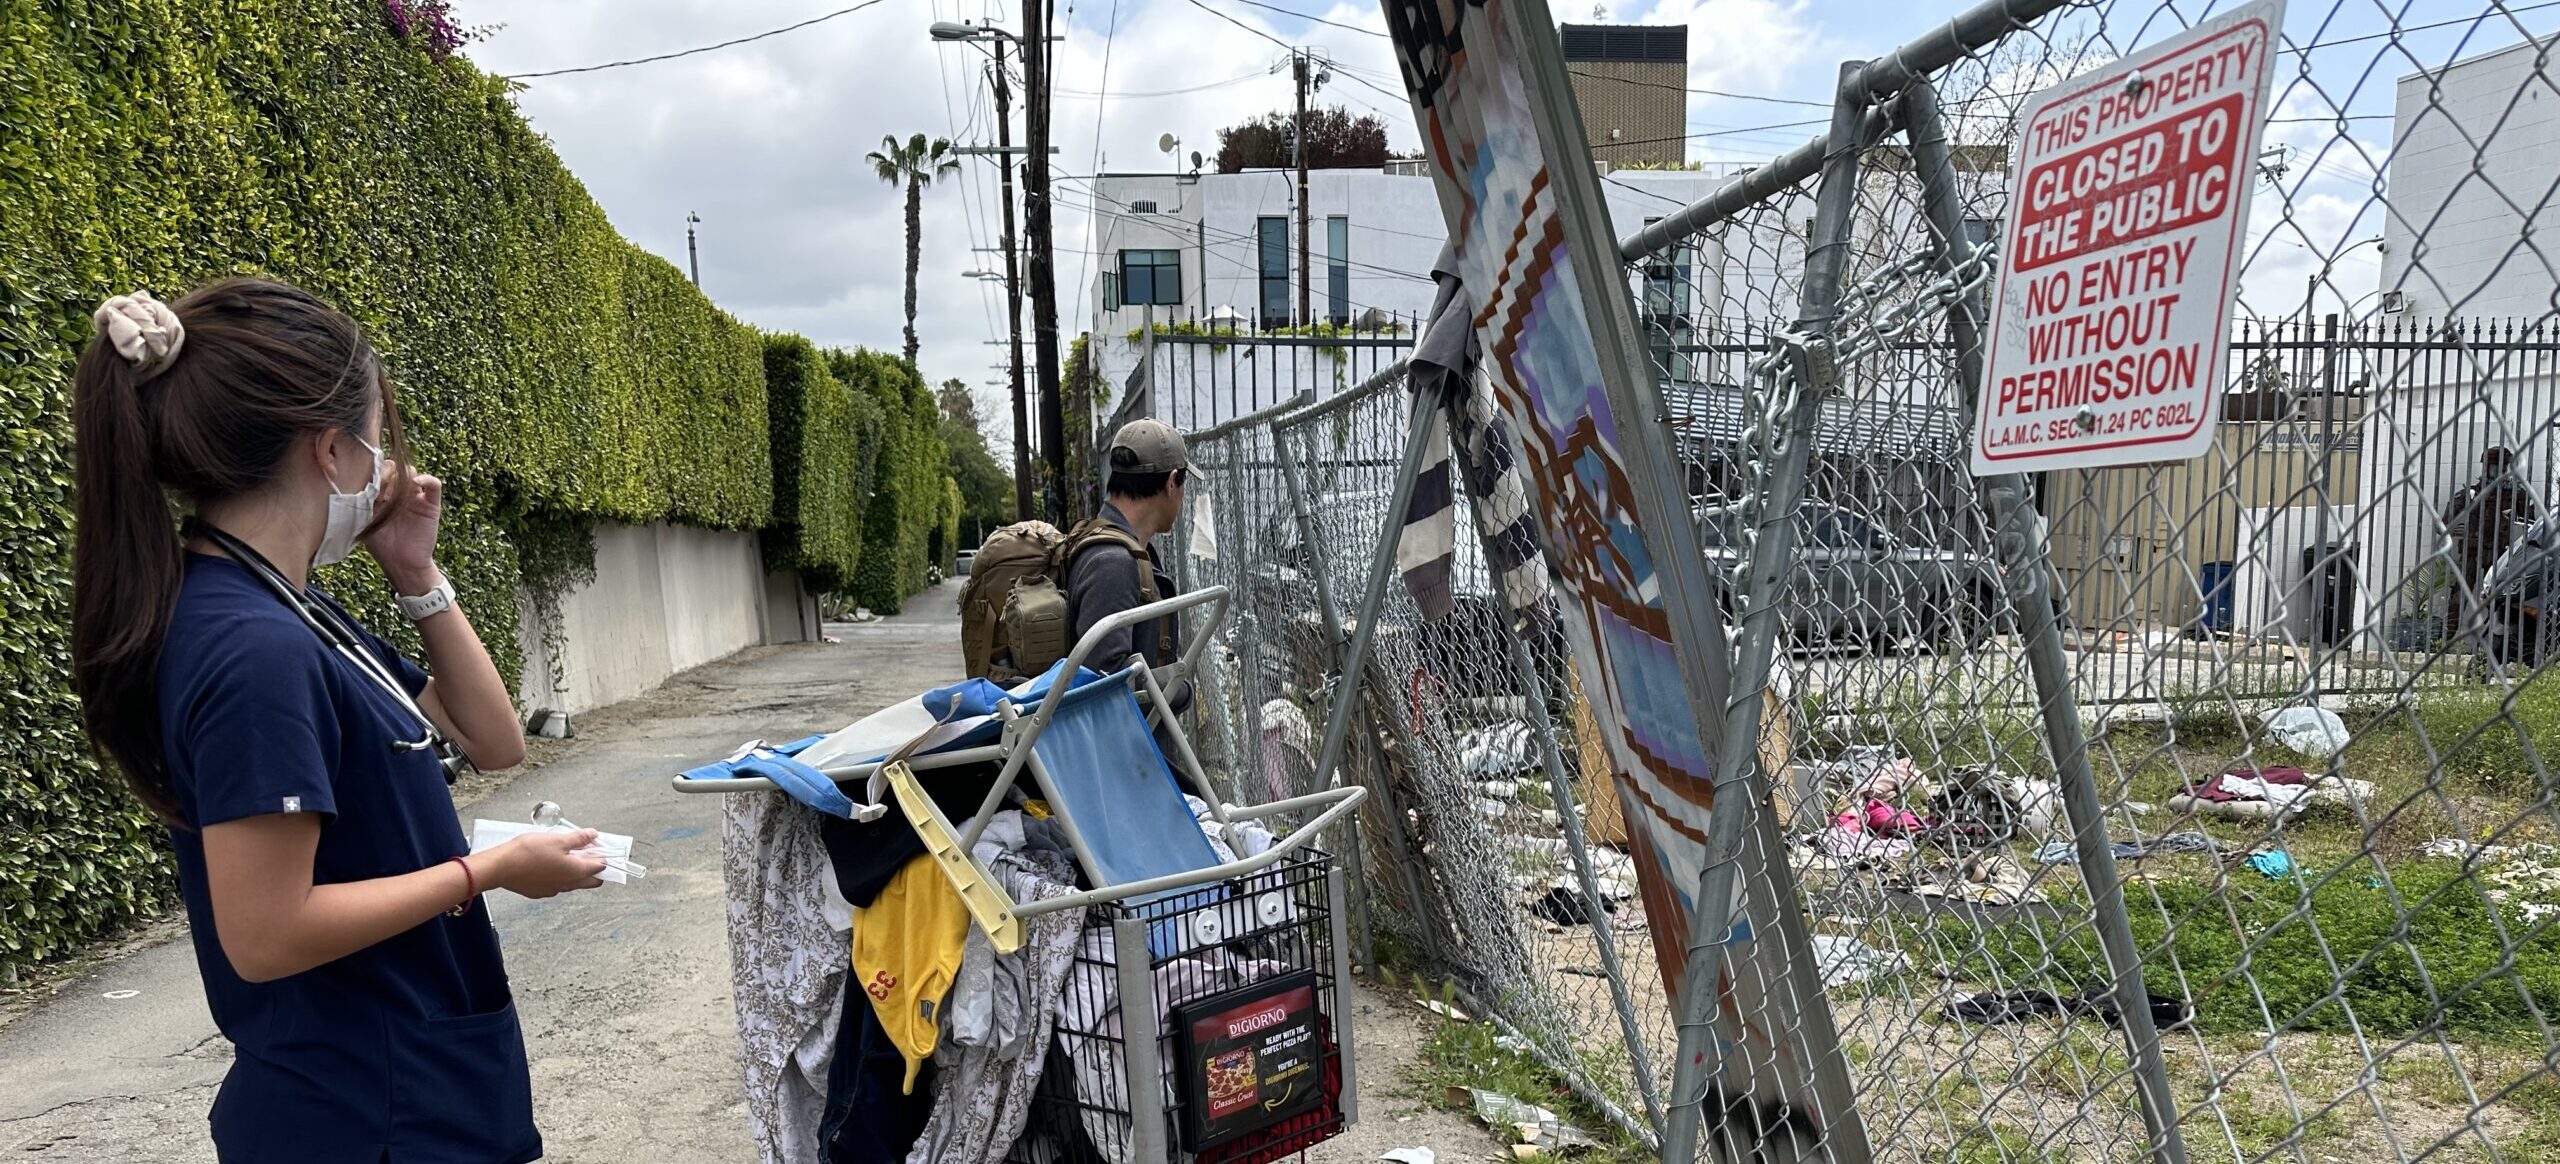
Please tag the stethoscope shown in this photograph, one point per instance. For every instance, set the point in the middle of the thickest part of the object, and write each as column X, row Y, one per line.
column 343, row 639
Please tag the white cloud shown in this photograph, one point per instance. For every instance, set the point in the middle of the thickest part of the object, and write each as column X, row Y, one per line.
column 766, row 140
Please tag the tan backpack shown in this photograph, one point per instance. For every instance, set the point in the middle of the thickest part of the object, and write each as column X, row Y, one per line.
column 1014, row 620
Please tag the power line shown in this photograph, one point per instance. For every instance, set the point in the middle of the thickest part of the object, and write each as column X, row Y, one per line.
column 1355, row 225
column 1093, row 93
column 1718, row 132
column 2394, row 33
column 695, row 51
column 1706, row 92
column 1234, row 238
column 1084, row 263
column 1315, row 19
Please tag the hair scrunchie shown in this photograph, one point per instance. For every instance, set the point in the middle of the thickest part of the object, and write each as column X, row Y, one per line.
column 141, row 329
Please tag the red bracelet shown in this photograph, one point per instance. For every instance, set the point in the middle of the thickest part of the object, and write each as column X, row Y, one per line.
column 471, row 884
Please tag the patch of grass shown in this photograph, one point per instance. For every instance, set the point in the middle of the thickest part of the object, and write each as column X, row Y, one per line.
column 1460, row 1055
column 1992, row 1144
column 2482, row 739
column 2239, row 939
column 2261, row 1122
column 2538, row 1097
column 2082, row 1054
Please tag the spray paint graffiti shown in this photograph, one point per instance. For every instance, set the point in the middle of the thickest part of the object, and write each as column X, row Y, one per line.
column 1513, row 230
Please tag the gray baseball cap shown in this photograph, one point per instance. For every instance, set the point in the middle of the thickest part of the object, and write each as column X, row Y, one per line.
column 1148, row 446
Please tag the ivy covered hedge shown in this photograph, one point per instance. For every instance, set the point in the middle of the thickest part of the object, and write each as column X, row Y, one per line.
column 554, row 374
column 911, row 485
column 826, row 446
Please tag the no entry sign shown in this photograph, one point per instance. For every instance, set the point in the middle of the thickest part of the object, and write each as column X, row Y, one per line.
column 2127, row 203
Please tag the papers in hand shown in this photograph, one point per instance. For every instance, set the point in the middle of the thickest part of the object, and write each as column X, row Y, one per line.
column 615, row 848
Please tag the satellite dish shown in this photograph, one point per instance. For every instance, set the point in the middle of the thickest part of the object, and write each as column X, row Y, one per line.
column 1166, row 142
column 1195, row 159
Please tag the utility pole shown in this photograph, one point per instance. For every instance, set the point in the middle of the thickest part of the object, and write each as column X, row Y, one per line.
column 1298, row 67
column 1044, row 281
column 1013, row 295
column 692, row 257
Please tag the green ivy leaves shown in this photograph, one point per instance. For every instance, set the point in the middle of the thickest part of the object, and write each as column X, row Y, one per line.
column 554, row 374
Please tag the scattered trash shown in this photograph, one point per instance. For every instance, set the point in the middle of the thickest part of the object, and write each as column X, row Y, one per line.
column 1410, row 1156
column 1566, row 907
column 1984, row 878
column 2525, row 877
column 1851, row 844
column 2275, row 863
column 1499, row 789
column 1445, row 1010
column 2316, row 732
column 1495, row 752
column 830, row 639
column 1511, row 1043
column 1848, row 961
column 1537, row 1128
column 2267, row 793
column 121, row 995
column 2167, row 1014
column 863, row 614
column 2066, row 853
column 1492, row 809
column 549, row 724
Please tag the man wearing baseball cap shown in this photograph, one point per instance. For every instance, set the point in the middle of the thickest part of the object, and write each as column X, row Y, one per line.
column 1107, row 575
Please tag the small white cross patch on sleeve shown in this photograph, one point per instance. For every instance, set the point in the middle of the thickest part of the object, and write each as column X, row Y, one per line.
column 293, row 804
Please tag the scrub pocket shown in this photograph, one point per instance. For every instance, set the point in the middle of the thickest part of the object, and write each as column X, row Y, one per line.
column 460, row 1090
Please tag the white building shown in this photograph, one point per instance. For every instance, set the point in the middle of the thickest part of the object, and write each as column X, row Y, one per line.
column 2471, row 191
column 2476, row 147
column 1220, row 250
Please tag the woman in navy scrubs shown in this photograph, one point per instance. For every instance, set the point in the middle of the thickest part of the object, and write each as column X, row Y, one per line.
column 336, row 917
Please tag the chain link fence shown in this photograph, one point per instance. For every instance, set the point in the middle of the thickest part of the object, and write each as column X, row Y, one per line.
column 2287, row 753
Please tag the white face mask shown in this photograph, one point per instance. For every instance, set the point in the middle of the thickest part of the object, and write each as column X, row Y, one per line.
column 349, row 513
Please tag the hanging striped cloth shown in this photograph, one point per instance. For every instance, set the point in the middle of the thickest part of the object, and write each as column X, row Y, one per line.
column 1443, row 369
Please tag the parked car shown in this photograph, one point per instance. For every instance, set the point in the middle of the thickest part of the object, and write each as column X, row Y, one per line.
column 961, row 563
column 2518, row 586
column 1474, row 640
column 1854, row 583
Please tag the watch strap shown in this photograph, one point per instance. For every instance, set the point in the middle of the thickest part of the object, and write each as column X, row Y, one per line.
column 420, row 607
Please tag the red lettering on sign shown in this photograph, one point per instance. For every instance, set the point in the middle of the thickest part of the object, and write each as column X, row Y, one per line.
column 2149, row 182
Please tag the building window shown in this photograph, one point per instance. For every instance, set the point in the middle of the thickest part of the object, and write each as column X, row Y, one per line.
column 1273, row 232
column 1337, row 269
column 1111, row 290
column 1669, row 326
column 1150, row 278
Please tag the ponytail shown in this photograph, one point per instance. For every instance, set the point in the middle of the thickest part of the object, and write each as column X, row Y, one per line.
column 205, row 400
column 126, row 564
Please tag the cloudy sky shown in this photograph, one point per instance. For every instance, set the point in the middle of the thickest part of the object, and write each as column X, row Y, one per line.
column 766, row 140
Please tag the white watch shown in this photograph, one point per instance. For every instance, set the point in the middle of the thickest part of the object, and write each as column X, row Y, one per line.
column 421, row 607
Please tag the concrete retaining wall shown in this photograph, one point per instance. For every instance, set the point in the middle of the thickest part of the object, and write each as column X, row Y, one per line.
column 664, row 598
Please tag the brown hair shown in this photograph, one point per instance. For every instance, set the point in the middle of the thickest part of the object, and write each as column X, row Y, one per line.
column 263, row 364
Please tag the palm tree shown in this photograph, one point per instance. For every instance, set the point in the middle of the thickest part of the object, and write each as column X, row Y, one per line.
column 915, row 165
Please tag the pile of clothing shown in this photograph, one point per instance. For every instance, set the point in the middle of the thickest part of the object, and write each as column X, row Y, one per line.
column 2254, row 793
column 1982, row 878
column 1879, row 804
column 1876, row 825
column 877, row 1024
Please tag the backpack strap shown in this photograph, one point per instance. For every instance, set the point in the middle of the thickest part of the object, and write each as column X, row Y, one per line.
column 1095, row 529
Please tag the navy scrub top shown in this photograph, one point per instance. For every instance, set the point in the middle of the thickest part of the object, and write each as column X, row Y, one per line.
column 408, row 1051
